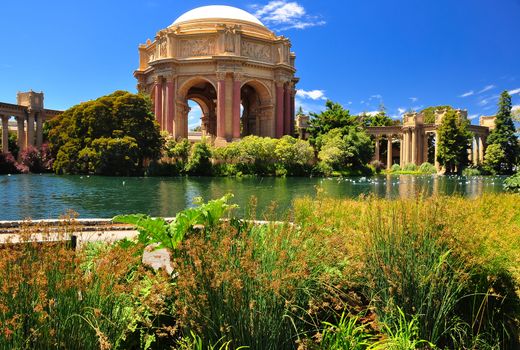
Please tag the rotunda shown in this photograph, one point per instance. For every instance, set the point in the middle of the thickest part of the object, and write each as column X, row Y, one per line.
column 223, row 58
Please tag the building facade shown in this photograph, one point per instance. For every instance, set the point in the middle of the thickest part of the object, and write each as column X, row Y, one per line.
column 238, row 71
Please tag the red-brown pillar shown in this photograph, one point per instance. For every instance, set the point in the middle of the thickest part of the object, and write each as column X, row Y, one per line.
column 236, row 107
column 158, row 103
column 170, row 98
column 287, row 111
column 221, row 107
column 293, row 111
column 279, row 110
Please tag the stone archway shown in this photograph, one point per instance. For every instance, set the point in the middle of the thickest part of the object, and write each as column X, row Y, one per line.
column 203, row 92
column 257, row 115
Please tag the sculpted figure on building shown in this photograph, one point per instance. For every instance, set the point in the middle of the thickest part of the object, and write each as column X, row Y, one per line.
column 238, row 71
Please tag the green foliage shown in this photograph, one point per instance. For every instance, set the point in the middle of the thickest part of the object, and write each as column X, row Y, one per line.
column 169, row 235
column 453, row 143
column 395, row 168
column 410, row 167
column 13, row 144
column 340, row 151
column 334, row 117
column 429, row 113
column 195, row 342
column 179, row 151
column 512, row 183
column 503, row 137
column 379, row 119
column 122, row 116
column 427, row 168
column 471, row 171
column 495, row 159
column 346, row 334
column 199, row 162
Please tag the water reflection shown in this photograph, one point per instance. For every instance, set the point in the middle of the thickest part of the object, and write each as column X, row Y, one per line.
column 48, row 196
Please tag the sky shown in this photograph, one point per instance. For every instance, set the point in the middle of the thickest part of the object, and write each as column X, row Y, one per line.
column 403, row 54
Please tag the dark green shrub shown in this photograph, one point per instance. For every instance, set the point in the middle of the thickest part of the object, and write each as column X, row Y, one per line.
column 199, row 162
column 427, row 168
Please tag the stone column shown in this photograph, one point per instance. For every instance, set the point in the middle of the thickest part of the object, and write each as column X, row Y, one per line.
column 405, row 148
column 471, row 151
column 287, row 111
column 39, row 129
column 21, row 132
column 279, row 109
column 30, row 130
column 5, row 133
column 376, row 154
column 170, row 105
column 414, row 146
column 476, row 154
column 293, row 110
column 401, row 150
column 158, row 103
column 425, row 148
column 237, row 84
column 389, row 151
column 482, row 149
column 437, row 165
column 221, row 106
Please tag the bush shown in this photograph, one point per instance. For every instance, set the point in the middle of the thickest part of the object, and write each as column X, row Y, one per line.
column 470, row 171
column 377, row 165
column 395, row 168
column 179, row 151
column 111, row 156
column 293, row 155
column 199, row 162
column 512, row 183
column 410, row 167
column 427, row 168
column 7, row 164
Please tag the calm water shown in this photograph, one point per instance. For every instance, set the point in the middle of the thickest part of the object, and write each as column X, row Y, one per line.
column 49, row 196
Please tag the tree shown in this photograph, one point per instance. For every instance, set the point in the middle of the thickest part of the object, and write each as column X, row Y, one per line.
column 116, row 121
column 429, row 113
column 333, row 117
column 504, row 135
column 340, row 151
column 454, row 141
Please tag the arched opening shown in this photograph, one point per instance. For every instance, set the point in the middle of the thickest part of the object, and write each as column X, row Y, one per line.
column 256, row 117
column 199, row 99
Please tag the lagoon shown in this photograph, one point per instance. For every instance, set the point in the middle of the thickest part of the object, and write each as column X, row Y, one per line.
column 49, row 196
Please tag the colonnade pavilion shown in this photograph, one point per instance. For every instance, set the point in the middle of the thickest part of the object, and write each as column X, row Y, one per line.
column 29, row 115
column 223, row 58
column 411, row 141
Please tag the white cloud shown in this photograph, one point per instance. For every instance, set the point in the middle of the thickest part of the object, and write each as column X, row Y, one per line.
column 371, row 113
column 401, row 111
column 473, row 116
column 516, row 110
column 467, row 94
column 308, row 107
column 195, row 113
column 487, row 88
column 514, row 92
column 311, row 94
column 413, row 99
column 286, row 15
column 377, row 96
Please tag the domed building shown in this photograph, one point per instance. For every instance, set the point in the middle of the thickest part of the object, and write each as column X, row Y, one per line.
column 223, row 58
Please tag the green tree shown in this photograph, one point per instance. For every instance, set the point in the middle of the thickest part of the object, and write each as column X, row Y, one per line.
column 199, row 162
column 340, row 151
column 504, row 135
column 495, row 158
column 429, row 113
column 454, row 141
column 333, row 117
column 127, row 118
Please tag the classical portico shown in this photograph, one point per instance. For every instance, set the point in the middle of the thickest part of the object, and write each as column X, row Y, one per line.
column 223, row 58
column 30, row 115
column 414, row 139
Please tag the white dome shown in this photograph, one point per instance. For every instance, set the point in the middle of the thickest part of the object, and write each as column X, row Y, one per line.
column 217, row 11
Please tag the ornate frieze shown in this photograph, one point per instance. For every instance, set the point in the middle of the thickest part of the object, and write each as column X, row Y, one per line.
column 197, row 47
column 257, row 51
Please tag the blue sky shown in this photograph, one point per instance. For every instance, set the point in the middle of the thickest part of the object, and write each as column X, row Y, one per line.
column 406, row 54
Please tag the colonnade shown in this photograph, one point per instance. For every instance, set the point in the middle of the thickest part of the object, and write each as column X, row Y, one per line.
column 29, row 130
column 476, row 150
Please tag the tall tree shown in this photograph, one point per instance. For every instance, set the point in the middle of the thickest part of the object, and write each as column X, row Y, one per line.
column 333, row 117
column 504, row 136
column 453, row 143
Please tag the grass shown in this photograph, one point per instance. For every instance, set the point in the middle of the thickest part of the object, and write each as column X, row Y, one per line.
column 369, row 273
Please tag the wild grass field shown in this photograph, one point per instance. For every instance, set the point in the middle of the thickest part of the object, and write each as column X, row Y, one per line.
column 427, row 273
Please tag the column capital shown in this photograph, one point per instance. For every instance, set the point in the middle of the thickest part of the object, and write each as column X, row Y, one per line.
column 221, row 75
column 238, row 76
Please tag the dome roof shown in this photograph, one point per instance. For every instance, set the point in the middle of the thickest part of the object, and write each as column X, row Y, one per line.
column 217, row 11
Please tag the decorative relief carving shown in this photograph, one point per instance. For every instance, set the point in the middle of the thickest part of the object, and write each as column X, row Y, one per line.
column 256, row 51
column 197, row 47
column 163, row 48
